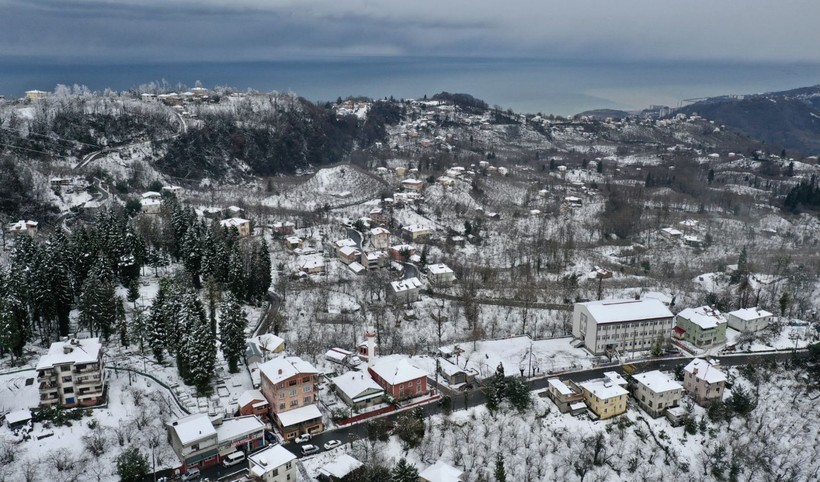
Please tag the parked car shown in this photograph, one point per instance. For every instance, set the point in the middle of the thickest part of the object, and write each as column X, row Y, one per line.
column 191, row 475
column 232, row 459
column 332, row 444
column 309, row 449
column 305, row 437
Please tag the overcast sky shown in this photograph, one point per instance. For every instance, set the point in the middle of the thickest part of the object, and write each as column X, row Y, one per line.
column 218, row 30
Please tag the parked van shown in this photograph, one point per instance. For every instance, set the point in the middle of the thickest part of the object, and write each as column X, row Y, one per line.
column 233, row 459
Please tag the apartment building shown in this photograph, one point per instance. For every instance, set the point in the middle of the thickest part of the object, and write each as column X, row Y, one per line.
column 289, row 384
column 72, row 374
column 621, row 325
column 604, row 398
column 703, row 381
column 702, row 326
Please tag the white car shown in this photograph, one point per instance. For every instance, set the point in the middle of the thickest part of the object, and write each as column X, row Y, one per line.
column 309, row 449
column 302, row 438
column 332, row 444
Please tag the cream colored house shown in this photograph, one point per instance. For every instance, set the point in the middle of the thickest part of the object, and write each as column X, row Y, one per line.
column 655, row 392
column 241, row 225
column 72, row 374
column 604, row 398
column 703, row 381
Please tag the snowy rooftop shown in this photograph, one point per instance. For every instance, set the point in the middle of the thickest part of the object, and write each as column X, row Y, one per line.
column 559, row 386
column 233, row 222
column 294, row 239
column 395, row 371
column 416, row 228
column 150, row 202
column 378, row 231
column 657, row 295
column 270, row 459
column 441, row 472
column 353, row 384
column 299, row 415
column 615, row 378
column 748, row 314
column 613, row 311
column 193, row 427
column 151, row 194
column 280, row 369
column 340, row 467
column 603, row 390
column 249, row 396
column 78, row 351
column 234, row 428
column 657, row 381
column 349, row 251
column 439, row 269
column 337, row 354
column 18, row 416
column 703, row 316
column 406, row 285
column 310, row 263
column 672, row 231
column 704, row 370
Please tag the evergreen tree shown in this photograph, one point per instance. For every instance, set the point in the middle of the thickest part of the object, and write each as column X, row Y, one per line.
column 518, row 394
column 260, row 268
column 97, row 304
column 122, row 326
column 232, row 324
column 132, row 466
column 500, row 472
column 196, row 355
column 236, row 274
column 499, row 382
column 404, row 472
column 14, row 330
column 157, row 335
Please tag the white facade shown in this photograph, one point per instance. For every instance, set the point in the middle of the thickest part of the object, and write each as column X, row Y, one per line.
column 749, row 319
column 72, row 373
column 656, row 392
column 440, row 274
column 274, row 464
column 622, row 325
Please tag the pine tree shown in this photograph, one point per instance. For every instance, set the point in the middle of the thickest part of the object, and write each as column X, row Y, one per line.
column 196, row 355
column 232, row 324
column 157, row 335
column 236, row 274
column 518, row 394
column 14, row 330
column 500, row 472
column 132, row 466
column 499, row 382
column 97, row 304
column 404, row 472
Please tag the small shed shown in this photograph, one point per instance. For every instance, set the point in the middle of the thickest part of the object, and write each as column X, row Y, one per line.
column 18, row 418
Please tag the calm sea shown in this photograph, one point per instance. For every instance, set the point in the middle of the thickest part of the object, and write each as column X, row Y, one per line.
column 558, row 87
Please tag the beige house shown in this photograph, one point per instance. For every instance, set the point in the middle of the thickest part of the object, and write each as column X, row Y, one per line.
column 241, row 225
column 655, row 392
column 604, row 398
column 72, row 374
column 293, row 242
column 564, row 397
column 380, row 238
column 703, row 381
column 416, row 232
column 32, row 95
column 412, row 185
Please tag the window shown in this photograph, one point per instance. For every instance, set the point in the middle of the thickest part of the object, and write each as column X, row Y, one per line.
column 281, row 395
column 288, row 465
column 65, row 368
column 275, row 472
column 294, row 403
column 66, row 379
column 308, row 399
column 418, row 386
column 292, row 383
column 307, row 389
column 281, row 406
column 306, row 380
column 293, row 392
column 68, row 390
column 195, row 447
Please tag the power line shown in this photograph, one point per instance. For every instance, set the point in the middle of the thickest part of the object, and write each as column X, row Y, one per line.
column 52, row 138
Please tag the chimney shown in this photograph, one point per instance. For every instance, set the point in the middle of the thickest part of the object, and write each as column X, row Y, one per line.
column 280, row 371
column 370, row 335
column 695, row 371
column 67, row 349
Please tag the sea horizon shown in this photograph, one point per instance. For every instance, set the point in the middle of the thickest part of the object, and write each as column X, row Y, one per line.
column 560, row 87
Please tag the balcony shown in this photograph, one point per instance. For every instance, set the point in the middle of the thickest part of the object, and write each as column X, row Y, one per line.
column 90, row 368
column 87, row 380
column 47, row 375
column 48, row 386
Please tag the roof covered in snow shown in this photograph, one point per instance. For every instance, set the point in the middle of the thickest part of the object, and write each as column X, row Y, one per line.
column 559, row 386
column 703, row 316
column 193, row 427
column 355, row 385
column 657, row 382
column 379, row 231
column 406, row 285
column 396, row 371
column 71, row 351
column 614, row 311
column 340, row 467
column 233, row 222
column 270, row 459
column 748, row 314
column 603, row 390
column 235, row 428
column 250, row 396
column 280, row 369
column 704, row 370
column 439, row 268
column 441, row 472
column 299, row 415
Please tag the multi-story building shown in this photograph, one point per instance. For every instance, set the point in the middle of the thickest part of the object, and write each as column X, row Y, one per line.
column 703, row 381
column 72, row 374
column 702, row 326
column 604, row 398
column 621, row 325
column 194, row 440
column 655, row 392
column 749, row 319
column 289, row 385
